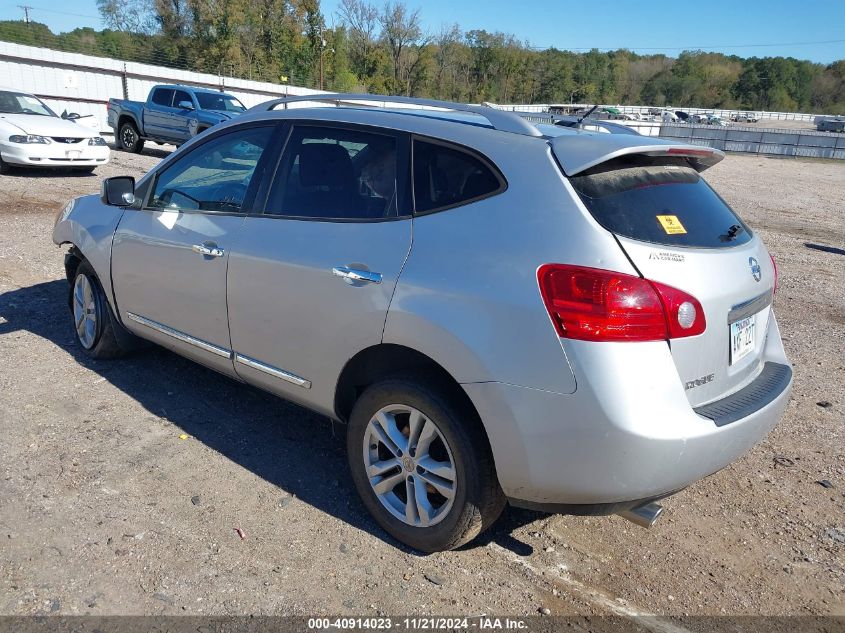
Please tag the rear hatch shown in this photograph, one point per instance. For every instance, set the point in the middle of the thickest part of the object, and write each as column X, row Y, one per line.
column 678, row 231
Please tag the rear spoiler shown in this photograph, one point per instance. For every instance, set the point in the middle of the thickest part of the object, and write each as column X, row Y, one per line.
column 579, row 153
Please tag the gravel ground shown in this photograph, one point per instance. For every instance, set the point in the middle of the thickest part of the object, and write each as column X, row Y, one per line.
column 105, row 509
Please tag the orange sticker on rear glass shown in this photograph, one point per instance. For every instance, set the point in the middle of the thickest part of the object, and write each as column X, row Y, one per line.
column 671, row 224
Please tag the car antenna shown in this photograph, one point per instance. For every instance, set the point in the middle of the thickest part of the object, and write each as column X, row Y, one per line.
column 589, row 112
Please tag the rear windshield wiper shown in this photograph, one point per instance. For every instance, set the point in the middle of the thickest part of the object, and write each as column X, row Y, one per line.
column 733, row 231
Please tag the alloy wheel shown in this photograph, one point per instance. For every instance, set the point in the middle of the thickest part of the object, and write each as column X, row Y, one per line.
column 128, row 137
column 409, row 465
column 85, row 311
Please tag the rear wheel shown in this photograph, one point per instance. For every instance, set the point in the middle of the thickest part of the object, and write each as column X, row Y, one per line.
column 129, row 139
column 93, row 320
column 422, row 465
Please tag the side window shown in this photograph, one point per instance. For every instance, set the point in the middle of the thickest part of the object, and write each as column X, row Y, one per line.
column 214, row 176
column 333, row 173
column 446, row 176
column 181, row 96
column 163, row 97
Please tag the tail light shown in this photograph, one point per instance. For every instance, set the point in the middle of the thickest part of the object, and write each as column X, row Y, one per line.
column 775, row 268
column 590, row 304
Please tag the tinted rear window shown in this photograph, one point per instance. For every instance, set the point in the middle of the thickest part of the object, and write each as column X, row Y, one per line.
column 163, row 96
column 446, row 176
column 659, row 200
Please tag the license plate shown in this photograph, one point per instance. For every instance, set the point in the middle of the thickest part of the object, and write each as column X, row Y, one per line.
column 72, row 154
column 742, row 338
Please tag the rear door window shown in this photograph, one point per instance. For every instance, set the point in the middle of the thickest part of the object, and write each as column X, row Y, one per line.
column 446, row 176
column 660, row 200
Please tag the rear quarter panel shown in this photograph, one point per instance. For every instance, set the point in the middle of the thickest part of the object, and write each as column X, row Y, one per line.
column 468, row 296
column 122, row 107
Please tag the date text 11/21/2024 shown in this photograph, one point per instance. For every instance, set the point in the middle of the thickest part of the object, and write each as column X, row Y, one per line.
column 418, row 623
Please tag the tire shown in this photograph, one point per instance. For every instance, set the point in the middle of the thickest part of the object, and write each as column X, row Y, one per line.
column 4, row 166
column 98, row 336
column 456, row 446
column 128, row 138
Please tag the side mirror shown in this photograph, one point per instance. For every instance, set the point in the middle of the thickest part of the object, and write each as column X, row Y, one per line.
column 118, row 191
column 70, row 116
column 186, row 105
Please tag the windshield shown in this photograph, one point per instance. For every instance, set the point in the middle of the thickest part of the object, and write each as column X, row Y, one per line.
column 219, row 101
column 20, row 103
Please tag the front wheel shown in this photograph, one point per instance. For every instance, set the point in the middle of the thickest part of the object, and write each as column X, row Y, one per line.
column 422, row 465
column 93, row 319
column 4, row 166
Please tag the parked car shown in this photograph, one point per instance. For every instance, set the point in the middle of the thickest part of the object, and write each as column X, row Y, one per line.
column 171, row 114
column 745, row 117
column 32, row 135
column 831, row 124
column 499, row 311
column 683, row 116
column 712, row 119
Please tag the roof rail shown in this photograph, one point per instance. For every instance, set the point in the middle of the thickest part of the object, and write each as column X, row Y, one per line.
column 500, row 119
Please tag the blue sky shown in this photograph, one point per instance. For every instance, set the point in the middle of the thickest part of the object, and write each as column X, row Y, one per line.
column 666, row 26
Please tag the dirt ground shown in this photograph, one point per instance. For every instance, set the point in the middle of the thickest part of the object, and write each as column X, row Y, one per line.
column 104, row 509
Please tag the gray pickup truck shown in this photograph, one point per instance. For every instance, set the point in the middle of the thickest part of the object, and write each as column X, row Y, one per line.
column 171, row 114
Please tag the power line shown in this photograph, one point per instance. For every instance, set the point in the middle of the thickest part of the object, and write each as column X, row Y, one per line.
column 75, row 15
column 688, row 48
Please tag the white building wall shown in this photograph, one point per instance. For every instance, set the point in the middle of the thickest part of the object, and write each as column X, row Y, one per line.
column 84, row 83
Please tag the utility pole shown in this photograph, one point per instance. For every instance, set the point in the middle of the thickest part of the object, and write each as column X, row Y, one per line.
column 26, row 9
column 322, row 49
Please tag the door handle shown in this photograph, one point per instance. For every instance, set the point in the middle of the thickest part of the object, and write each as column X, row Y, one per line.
column 351, row 275
column 208, row 251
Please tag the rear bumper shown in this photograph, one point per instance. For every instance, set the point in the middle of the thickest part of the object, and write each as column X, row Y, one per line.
column 627, row 436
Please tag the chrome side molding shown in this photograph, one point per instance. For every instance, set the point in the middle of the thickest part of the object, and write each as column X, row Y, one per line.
column 180, row 336
column 299, row 381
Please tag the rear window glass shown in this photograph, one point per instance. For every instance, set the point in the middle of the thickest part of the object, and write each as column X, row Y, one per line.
column 659, row 200
column 163, row 96
column 446, row 177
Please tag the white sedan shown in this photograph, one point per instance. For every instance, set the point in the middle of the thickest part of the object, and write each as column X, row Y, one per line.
column 32, row 135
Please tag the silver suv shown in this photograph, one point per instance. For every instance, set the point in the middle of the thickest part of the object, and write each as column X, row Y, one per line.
column 501, row 312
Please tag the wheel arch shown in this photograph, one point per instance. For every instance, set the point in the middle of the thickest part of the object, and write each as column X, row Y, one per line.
column 89, row 227
column 389, row 359
column 126, row 117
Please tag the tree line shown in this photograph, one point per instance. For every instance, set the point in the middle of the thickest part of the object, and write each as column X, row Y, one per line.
column 384, row 49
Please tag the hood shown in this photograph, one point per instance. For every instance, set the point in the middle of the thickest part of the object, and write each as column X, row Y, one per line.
column 224, row 114
column 46, row 125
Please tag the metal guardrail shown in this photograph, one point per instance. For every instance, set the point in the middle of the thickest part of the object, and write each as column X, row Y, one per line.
column 770, row 141
column 643, row 110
